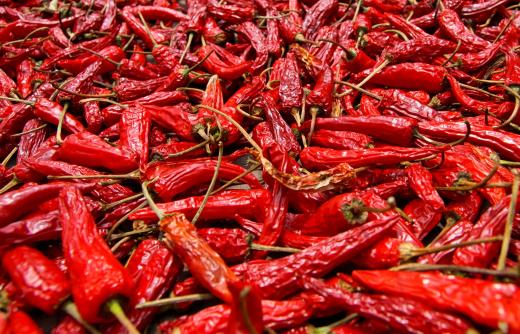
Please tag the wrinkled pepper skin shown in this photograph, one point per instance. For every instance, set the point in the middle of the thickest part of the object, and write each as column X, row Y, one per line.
column 96, row 275
column 42, row 283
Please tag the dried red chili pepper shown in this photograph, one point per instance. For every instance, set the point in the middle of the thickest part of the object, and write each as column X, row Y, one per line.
column 94, row 282
column 19, row 322
column 484, row 302
column 205, row 264
column 42, row 283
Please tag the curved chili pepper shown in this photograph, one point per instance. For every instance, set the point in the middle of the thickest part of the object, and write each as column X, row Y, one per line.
column 246, row 310
column 398, row 131
column 51, row 111
column 215, row 65
column 134, row 131
column 93, row 282
column 452, row 26
column 89, row 150
column 290, row 89
column 421, row 183
column 320, row 158
column 400, row 313
column 424, row 216
column 40, row 226
column 485, row 302
column 204, row 263
column 317, row 15
column 42, row 283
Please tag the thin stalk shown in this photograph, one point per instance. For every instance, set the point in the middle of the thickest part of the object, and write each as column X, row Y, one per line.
column 480, row 90
column 398, row 33
column 450, row 267
column 132, row 233
column 374, row 72
column 473, row 186
column 151, row 203
column 233, row 180
column 115, row 308
column 113, row 62
column 260, row 247
column 314, row 115
column 29, row 131
column 211, row 185
column 71, row 309
column 245, row 114
column 358, row 8
column 188, row 150
column 9, row 156
column 175, row 300
column 130, row 176
column 147, row 29
column 121, row 201
column 504, row 29
column 513, row 115
column 118, row 244
column 362, row 90
column 191, row 34
column 243, row 310
column 328, row 329
column 124, row 106
column 459, row 43
column 122, row 220
column 10, row 185
column 59, row 140
column 509, row 223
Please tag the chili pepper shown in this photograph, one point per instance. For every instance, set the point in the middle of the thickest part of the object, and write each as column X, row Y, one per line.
column 413, row 76
column 164, row 151
column 490, row 224
column 134, row 132
column 405, row 26
column 40, row 226
column 468, row 208
column 108, row 193
column 319, row 158
column 340, row 140
column 258, row 42
column 93, row 282
column 484, row 302
column 392, row 310
column 421, row 183
column 476, row 106
column 51, row 112
column 232, row 12
column 16, row 203
column 153, row 269
column 204, row 263
column 18, row 322
column 419, row 50
column 89, row 150
column 212, row 32
column 452, row 26
column 43, row 285
column 31, row 141
column 321, row 95
column 230, row 243
column 76, row 66
column 24, row 76
column 423, row 215
column 317, row 15
column 215, row 65
column 394, row 130
column 456, row 234
column 157, row 13
column 93, row 116
column 503, row 142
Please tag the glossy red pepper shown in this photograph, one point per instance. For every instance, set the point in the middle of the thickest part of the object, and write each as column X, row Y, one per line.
column 42, row 283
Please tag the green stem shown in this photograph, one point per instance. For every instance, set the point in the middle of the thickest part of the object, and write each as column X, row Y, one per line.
column 151, row 203
column 509, row 223
column 115, row 308
column 71, row 309
column 175, row 300
column 211, row 185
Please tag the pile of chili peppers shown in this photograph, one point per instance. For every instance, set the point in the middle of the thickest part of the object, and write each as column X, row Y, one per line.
column 250, row 166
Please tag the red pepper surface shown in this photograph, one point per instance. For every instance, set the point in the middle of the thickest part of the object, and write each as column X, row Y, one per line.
column 402, row 314
column 39, row 226
column 424, row 217
column 153, row 268
column 422, row 184
column 30, row 141
column 452, row 26
column 42, row 283
column 456, row 234
column 134, row 131
column 96, row 275
column 321, row 158
column 204, row 263
column 19, row 322
column 394, row 130
column 490, row 224
column 340, row 140
column 485, row 302
column 290, row 89
column 50, row 112
column 68, row 325
column 18, row 202
column 246, row 310
column 176, row 178
column 230, row 243
column 215, row 65
column 89, row 150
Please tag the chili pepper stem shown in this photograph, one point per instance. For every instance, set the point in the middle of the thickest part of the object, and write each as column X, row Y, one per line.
column 417, row 134
column 243, row 310
column 374, row 72
column 364, row 91
column 188, row 150
column 190, row 69
column 29, row 131
column 147, row 29
column 59, row 139
column 211, row 185
column 115, row 63
column 314, row 113
column 473, row 185
column 260, row 247
column 191, row 34
column 176, row 300
column 509, row 222
column 14, row 99
column 151, row 203
column 398, row 33
column 238, row 177
column 241, row 111
column 513, row 115
column 70, row 308
column 130, row 176
column 9, row 156
column 408, row 253
column 121, row 201
column 328, row 329
column 115, row 308
column 450, row 267
column 11, row 184
column 446, row 62
column 122, row 220
column 295, row 112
